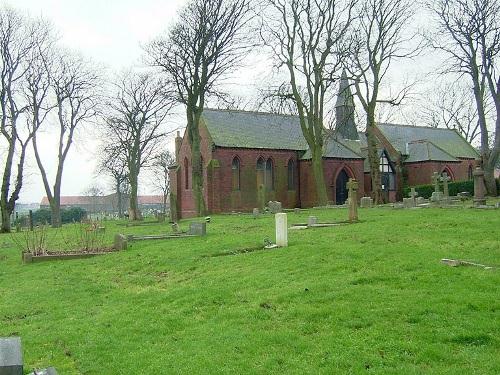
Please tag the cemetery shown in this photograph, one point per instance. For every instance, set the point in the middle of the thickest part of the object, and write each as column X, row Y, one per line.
column 191, row 308
column 247, row 187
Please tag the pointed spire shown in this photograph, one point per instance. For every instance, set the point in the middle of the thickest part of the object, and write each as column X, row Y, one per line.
column 345, row 96
column 344, row 108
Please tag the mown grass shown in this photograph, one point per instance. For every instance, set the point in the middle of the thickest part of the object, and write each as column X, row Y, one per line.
column 371, row 297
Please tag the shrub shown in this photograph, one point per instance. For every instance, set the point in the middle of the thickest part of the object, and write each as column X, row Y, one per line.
column 453, row 187
column 43, row 216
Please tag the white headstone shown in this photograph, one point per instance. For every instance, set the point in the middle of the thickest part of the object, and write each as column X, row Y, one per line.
column 281, row 230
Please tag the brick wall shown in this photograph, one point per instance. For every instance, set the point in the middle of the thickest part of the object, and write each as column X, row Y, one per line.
column 420, row 173
column 245, row 199
column 331, row 169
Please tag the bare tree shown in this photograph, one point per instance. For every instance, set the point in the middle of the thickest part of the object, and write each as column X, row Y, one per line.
column 452, row 106
column 380, row 38
column 21, row 40
column 205, row 44
column 469, row 33
column 75, row 84
column 308, row 38
column 135, row 128
column 95, row 193
column 160, row 179
column 114, row 165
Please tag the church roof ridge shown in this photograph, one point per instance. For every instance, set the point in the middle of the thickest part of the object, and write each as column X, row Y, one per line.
column 250, row 112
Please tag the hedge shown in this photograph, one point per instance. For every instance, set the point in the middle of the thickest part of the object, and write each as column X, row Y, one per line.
column 453, row 187
column 69, row 215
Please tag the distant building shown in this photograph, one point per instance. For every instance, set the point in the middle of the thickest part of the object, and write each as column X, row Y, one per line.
column 245, row 154
column 107, row 203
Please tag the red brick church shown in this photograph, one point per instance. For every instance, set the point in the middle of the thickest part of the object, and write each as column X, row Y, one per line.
column 242, row 151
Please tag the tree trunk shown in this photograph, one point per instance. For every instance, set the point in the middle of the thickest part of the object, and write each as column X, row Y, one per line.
column 373, row 158
column 319, row 177
column 4, row 196
column 197, row 168
column 119, row 198
column 5, row 219
column 134, row 213
column 55, row 214
column 490, row 164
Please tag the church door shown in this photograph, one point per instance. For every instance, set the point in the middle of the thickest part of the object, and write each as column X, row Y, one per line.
column 341, row 187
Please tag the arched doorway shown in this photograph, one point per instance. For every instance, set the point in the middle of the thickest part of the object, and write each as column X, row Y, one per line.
column 341, row 187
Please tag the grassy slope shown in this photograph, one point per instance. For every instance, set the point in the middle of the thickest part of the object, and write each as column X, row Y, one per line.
column 338, row 300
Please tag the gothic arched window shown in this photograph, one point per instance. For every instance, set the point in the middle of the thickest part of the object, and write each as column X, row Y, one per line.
column 235, row 168
column 186, row 174
column 269, row 176
column 291, row 175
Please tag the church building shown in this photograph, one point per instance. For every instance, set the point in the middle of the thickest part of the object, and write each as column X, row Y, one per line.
column 249, row 158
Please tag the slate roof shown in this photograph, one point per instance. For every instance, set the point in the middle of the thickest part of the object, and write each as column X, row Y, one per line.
column 426, row 150
column 335, row 149
column 243, row 129
column 447, row 140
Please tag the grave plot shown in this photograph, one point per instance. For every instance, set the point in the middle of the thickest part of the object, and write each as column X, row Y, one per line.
column 195, row 230
column 352, row 205
column 11, row 358
column 87, row 241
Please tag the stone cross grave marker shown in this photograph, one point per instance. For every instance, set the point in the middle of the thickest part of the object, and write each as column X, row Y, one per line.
column 435, row 181
column 413, row 195
column 353, row 185
column 479, row 189
column 445, row 179
column 281, row 230
column 11, row 356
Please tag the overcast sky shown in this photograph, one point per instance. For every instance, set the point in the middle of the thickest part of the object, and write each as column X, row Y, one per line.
column 112, row 32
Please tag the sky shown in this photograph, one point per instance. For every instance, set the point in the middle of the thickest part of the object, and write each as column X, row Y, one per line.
column 110, row 32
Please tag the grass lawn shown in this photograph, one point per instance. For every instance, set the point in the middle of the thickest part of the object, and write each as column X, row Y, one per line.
column 371, row 297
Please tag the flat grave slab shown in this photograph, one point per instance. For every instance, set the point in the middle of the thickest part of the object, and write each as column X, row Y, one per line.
column 11, row 356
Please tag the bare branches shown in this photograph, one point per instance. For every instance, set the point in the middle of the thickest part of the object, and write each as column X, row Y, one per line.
column 310, row 40
column 135, row 128
column 469, row 33
column 23, row 42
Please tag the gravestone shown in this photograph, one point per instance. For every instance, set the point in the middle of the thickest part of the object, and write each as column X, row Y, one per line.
column 120, row 242
column 366, row 202
column 436, row 197
column 479, row 188
column 311, row 221
column 445, row 179
column 353, row 185
column 197, row 229
column 256, row 213
column 420, row 200
column 275, row 207
column 281, row 229
column 413, row 196
column 11, row 356
column 435, row 181
column 296, row 210
column 408, row 203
